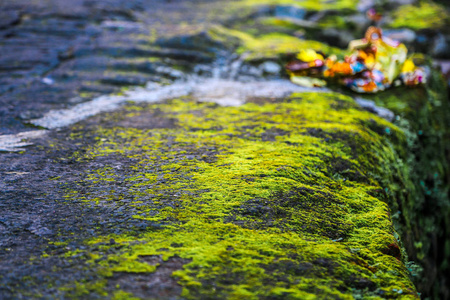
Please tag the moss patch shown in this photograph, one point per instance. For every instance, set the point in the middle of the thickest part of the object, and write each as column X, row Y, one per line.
column 422, row 211
column 424, row 15
column 301, row 214
column 269, row 46
column 311, row 5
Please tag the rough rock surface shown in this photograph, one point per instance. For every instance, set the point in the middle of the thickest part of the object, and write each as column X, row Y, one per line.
column 282, row 196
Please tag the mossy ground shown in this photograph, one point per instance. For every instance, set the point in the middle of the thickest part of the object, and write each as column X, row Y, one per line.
column 275, row 199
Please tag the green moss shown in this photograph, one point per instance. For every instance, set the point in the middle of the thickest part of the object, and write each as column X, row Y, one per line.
column 423, row 209
column 313, row 5
column 82, row 289
column 270, row 46
column 277, row 199
column 280, row 23
column 283, row 199
column 335, row 21
column 121, row 295
column 425, row 14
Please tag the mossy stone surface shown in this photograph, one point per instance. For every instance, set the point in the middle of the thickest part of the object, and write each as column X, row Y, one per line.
column 271, row 46
column 274, row 199
column 423, row 210
column 305, row 197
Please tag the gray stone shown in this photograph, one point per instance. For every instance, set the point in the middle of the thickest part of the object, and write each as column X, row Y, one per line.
column 365, row 5
column 16, row 142
column 8, row 18
column 121, row 25
column 444, row 65
column 441, row 46
column 40, row 230
column 290, row 12
column 169, row 72
column 251, row 71
column 337, row 37
column 359, row 21
column 30, row 114
column 402, row 35
column 300, row 22
column 401, row 2
column 270, row 67
column 223, row 92
column 369, row 105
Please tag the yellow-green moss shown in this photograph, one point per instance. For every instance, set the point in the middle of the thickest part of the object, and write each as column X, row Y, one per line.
column 283, row 199
column 313, row 5
column 426, row 14
column 121, row 295
column 423, row 210
column 270, row 46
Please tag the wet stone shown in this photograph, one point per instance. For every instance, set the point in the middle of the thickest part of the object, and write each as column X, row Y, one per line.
column 270, row 68
column 9, row 18
column 91, row 209
column 441, row 46
column 401, row 35
column 335, row 37
column 290, row 11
